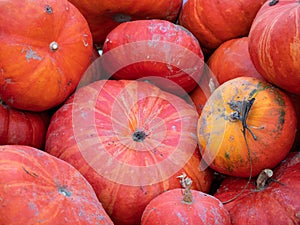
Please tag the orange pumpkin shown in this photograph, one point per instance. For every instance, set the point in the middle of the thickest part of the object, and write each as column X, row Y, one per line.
column 232, row 59
column 262, row 111
column 45, row 48
column 103, row 16
column 37, row 188
column 130, row 140
column 213, row 22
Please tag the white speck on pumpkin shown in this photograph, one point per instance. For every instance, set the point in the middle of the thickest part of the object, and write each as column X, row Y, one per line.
column 30, row 54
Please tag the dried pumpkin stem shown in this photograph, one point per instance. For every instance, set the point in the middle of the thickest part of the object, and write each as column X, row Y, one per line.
column 186, row 183
column 53, row 46
column 263, row 178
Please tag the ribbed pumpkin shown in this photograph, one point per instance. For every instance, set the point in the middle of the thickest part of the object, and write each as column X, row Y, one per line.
column 130, row 140
column 231, row 59
column 274, row 43
column 182, row 206
column 37, row 188
column 270, row 199
column 45, row 48
column 213, row 22
column 18, row 127
column 158, row 51
column 103, row 16
column 265, row 114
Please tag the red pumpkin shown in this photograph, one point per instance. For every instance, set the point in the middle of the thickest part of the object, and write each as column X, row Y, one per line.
column 130, row 140
column 37, row 188
column 274, row 43
column 213, row 22
column 158, row 51
column 22, row 128
column 272, row 200
column 246, row 109
column 103, row 16
column 185, row 206
column 231, row 59
column 45, row 48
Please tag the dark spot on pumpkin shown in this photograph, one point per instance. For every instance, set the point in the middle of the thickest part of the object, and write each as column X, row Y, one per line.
column 281, row 117
column 273, row 2
column 139, row 136
column 48, row 9
column 69, row 83
column 120, row 18
column 227, row 155
column 64, row 191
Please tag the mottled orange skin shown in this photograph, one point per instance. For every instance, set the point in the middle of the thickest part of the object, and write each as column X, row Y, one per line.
column 19, row 127
column 272, row 119
column 93, row 132
column 213, row 22
column 274, row 44
column 231, row 59
column 169, row 208
column 34, row 77
column 103, row 16
column 37, row 188
column 278, row 203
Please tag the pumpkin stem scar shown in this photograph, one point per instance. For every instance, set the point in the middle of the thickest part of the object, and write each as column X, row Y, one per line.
column 139, row 136
column 53, row 46
column 48, row 9
column 29, row 173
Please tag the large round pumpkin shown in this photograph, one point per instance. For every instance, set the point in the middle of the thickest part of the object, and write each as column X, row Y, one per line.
column 20, row 127
column 245, row 126
column 103, row 16
column 231, row 59
column 37, row 188
column 45, row 49
column 213, row 22
column 158, row 51
column 272, row 199
column 130, row 140
column 274, row 44
column 182, row 206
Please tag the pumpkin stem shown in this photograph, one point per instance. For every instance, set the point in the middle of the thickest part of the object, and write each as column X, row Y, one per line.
column 186, row 183
column 53, row 46
column 263, row 178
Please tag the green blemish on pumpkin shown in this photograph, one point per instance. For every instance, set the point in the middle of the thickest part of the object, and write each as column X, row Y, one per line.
column 281, row 117
column 227, row 155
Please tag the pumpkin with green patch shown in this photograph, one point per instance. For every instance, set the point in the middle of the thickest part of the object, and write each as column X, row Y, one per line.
column 245, row 126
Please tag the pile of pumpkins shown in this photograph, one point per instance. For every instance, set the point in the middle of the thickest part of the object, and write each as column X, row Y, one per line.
column 149, row 112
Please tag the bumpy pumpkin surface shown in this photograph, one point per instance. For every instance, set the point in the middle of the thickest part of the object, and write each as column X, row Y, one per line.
column 37, row 188
column 45, row 48
column 130, row 140
column 269, row 125
column 276, row 202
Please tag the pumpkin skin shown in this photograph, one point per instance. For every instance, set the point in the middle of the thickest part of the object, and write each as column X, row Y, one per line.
column 37, row 188
column 103, row 16
column 169, row 208
column 161, row 52
column 266, row 43
column 45, row 47
column 213, row 22
column 231, row 59
column 143, row 139
column 277, row 203
column 22, row 127
column 271, row 118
